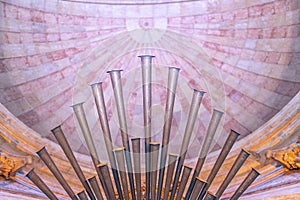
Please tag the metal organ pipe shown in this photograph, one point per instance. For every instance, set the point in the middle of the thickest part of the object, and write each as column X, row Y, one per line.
column 115, row 76
column 171, row 92
column 194, row 108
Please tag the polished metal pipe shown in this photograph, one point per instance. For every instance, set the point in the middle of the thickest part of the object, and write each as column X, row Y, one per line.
column 170, row 173
column 82, row 195
column 239, row 161
column 184, row 179
column 245, row 184
column 81, row 118
column 106, row 175
column 94, row 184
column 199, row 184
column 211, row 131
column 154, row 149
column 223, row 154
column 115, row 76
column 171, row 91
column 146, row 64
column 136, row 150
column 62, row 141
column 41, row 184
column 119, row 152
column 193, row 113
column 209, row 196
column 44, row 155
column 101, row 109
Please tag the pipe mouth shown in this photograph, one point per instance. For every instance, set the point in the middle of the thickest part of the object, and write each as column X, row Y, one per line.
column 255, row 170
column 199, row 91
column 92, row 178
column 119, row 149
column 114, row 71
column 102, row 164
column 245, row 151
column 218, row 111
column 136, row 138
column 39, row 152
column 201, row 180
column 93, row 85
column 233, row 131
column 154, row 143
column 188, row 166
column 56, row 129
column 30, row 172
column 176, row 68
column 146, row 56
column 173, row 154
column 77, row 105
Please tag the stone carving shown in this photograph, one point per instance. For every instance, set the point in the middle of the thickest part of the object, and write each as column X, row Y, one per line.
column 10, row 164
column 289, row 157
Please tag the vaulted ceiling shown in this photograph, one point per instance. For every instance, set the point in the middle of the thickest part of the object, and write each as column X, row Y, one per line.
column 243, row 54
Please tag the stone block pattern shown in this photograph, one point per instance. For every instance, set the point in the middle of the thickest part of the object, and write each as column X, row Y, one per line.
column 244, row 54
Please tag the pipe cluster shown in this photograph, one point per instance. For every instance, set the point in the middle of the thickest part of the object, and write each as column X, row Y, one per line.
column 125, row 163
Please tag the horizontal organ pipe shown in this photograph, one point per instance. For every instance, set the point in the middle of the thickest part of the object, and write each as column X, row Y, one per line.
column 209, row 196
column 245, row 184
column 195, row 105
column 101, row 109
column 171, row 91
column 224, row 152
column 115, row 76
column 81, row 118
column 44, row 155
column 234, row 169
column 60, row 137
column 211, row 131
column 41, row 184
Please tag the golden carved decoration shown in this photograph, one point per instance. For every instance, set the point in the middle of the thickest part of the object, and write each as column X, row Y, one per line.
column 289, row 157
column 10, row 164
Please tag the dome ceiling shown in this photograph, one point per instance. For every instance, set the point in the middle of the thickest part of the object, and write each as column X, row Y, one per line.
column 244, row 55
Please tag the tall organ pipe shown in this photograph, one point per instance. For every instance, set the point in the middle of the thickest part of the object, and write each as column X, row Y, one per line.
column 223, row 154
column 101, row 108
column 154, row 149
column 44, row 155
column 60, row 137
column 81, row 118
column 115, row 76
column 169, row 175
column 245, row 184
column 184, row 179
column 211, row 131
column 93, row 182
column 195, row 105
column 41, row 184
column 146, row 64
column 239, row 161
column 119, row 152
column 136, row 150
column 171, row 91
